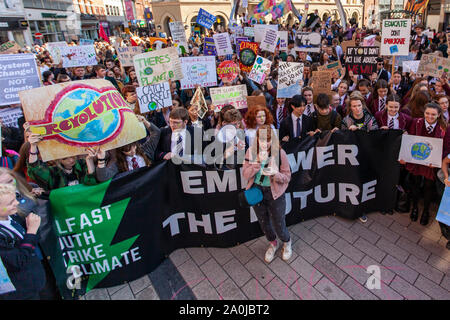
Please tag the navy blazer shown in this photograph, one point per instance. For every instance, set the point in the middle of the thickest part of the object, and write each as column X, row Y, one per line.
column 287, row 128
column 165, row 141
column 404, row 120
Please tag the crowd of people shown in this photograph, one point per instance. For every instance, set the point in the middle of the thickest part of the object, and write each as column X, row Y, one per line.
column 387, row 99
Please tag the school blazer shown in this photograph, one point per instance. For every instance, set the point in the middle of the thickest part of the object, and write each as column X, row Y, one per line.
column 404, row 120
column 165, row 141
column 287, row 128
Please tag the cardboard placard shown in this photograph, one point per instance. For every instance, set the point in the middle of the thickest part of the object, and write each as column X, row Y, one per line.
column 256, row 101
column 9, row 47
column 154, row 97
column 234, row 95
column 333, row 66
column 126, row 54
column 434, row 66
column 321, row 82
column 73, row 116
column 199, row 70
column 346, row 44
column 158, row 66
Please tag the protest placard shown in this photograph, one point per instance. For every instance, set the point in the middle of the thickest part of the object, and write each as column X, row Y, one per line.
column 227, row 70
column 209, row 48
column 260, row 67
column 199, row 101
column 158, row 66
column 9, row 47
column 333, row 66
column 321, row 82
column 179, row 35
column 260, row 29
column 249, row 31
column 54, row 48
column 269, row 41
column 238, row 43
column 256, row 101
column 289, row 76
column 198, row 71
column 283, row 36
column 78, row 56
column 17, row 72
column 396, row 34
column 421, row 150
column 369, row 41
column 9, row 116
column 222, row 43
column 308, row 41
column 75, row 115
column 126, row 54
column 86, row 41
column 205, row 19
column 247, row 55
column 234, row 95
column 154, row 97
column 411, row 66
column 443, row 214
column 362, row 60
column 6, row 284
column 346, row 44
column 432, row 65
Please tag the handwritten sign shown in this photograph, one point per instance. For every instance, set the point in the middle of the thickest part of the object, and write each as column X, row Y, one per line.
column 223, row 44
column 260, row 30
column 283, row 36
column 179, row 35
column 411, row 66
column 396, row 35
column 9, row 116
column 249, row 31
column 333, row 66
column 289, row 77
column 227, row 71
column 234, row 95
column 9, row 47
column 198, row 71
column 308, row 41
column 434, row 66
column 260, row 67
column 158, row 66
column 421, row 150
column 78, row 56
column 55, row 51
column 126, row 54
column 205, row 19
column 269, row 41
column 247, row 55
column 362, row 60
column 154, row 97
column 321, row 82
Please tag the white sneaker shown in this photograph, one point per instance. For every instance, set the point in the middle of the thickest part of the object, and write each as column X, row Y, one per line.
column 270, row 253
column 287, row 251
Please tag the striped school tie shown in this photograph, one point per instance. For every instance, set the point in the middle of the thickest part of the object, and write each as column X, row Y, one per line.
column 280, row 116
column 391, row 123
column 179, row 146
column 382, row 105
column 430, row 129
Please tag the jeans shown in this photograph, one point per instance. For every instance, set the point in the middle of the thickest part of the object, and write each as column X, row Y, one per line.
column 271, row 216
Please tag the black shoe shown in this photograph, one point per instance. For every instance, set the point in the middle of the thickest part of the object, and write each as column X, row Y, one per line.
column 414, row 214
column 390, row 212
column 424, row 218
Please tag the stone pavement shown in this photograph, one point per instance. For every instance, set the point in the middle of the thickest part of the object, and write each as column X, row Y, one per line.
column 329, row 261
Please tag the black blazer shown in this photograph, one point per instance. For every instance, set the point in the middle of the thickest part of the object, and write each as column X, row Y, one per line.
column 287, row 128
column 165, row 141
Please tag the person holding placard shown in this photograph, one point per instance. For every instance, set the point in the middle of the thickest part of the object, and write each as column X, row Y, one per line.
column 433, row 125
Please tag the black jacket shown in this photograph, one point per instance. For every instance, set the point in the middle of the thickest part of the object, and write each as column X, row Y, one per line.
column 23, row 266
column 287, row 128
column 165, row 141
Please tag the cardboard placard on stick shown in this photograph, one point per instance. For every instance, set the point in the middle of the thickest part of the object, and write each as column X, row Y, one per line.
column 254, row 101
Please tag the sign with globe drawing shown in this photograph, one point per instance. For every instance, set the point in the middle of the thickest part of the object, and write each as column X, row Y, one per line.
column 421, row 150
column 154, row 97
column 198, row 71
column 73, row 116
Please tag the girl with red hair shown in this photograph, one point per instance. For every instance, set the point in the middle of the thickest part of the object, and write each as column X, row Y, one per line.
column 255, row 118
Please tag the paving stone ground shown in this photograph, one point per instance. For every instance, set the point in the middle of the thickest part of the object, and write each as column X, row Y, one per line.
column 330, row 260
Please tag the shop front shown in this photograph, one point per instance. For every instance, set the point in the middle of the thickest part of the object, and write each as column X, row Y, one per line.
column 14, row 29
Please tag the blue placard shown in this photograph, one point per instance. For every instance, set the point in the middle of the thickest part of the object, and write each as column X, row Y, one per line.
column 86, row 42
column 443, row 214
column 5, row 283
column 205, row 19
column 209, row 48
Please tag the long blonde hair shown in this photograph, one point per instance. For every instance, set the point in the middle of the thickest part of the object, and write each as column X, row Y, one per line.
column 21, row 184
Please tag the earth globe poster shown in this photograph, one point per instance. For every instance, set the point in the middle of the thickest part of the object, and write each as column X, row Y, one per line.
column 421, row 150
column 443, row 214
column 76, row 115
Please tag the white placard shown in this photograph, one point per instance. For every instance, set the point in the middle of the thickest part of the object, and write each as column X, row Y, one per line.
column 198, row 71
column 55, row 51
column 421, row 150
column 178, row 35
column 223, row 44
column 396, row 35
column 258, row 73
column 260, row 30
column 409, row 66
column 269, row 42
column 290, row 75
column 154, row 97
column 78, row 56
column 9, row 116
column 249, row 31
column 283, row 35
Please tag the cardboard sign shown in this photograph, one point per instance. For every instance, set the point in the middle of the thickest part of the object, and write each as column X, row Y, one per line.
column 321, row 82
column 222, row 43
column 73, row 116
column 205, row 19
column 54, row 48
column 421, row 150
column 396, row 35
column 198, row 71
column 199, row 101
column 78, row 56
column 434, row 66
column 234, row 95
column 411, row 66
column 9, row 116
column 362, row 60
column 9, row 47
column 308, row 41
column 443, row 214
column 289, row 77
column 256, row 101
column 260, row 30
column 283, row 36
column 258, row 73
column 154, row 97
column 269, row 41
column 333, row 66
column 17, row 72
column 179, row 35
column 126, row 54
column 157, row 66
column 209, row 48
column 227, row 71
column 346, row 44
column 248, row 52
column 249, row 31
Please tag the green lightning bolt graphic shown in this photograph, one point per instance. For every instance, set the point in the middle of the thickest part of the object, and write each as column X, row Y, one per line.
column 82, row 221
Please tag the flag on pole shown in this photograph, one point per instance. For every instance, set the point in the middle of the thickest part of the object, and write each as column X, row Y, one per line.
column 102, row 34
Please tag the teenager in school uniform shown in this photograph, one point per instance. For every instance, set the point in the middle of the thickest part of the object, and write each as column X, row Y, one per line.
column 432, row 125
column 297, row 124
column 380, row 93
